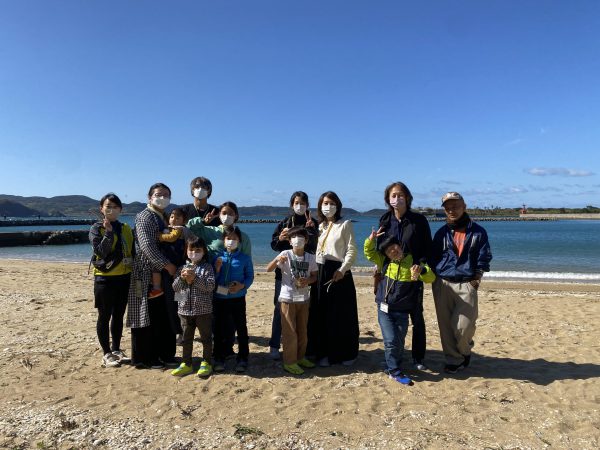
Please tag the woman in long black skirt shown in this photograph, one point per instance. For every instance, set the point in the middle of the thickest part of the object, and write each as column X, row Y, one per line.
column 152, row 339
column 333, row 319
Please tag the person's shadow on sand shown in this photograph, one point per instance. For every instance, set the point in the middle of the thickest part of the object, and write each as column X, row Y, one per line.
column 538, row 371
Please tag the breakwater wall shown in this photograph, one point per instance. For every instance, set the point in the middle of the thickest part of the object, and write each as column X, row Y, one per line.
column 560, row 216
column 44, row 222
column 43, row 238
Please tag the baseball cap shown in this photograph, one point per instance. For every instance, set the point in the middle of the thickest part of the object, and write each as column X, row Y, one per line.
column 451, row 196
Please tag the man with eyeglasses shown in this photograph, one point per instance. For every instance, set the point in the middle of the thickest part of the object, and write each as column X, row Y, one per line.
column 460, row 255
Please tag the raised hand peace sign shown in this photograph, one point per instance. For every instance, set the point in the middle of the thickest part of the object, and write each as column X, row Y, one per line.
column 375, row 234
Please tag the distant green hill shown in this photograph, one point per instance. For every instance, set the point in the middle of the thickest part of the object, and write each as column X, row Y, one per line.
column 79, row 206
column 9, row 208
column 60, row 206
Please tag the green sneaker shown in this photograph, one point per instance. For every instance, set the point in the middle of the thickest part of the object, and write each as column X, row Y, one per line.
column 306, row 363
column 205, row 369
column 182, row 370
column 294, row 369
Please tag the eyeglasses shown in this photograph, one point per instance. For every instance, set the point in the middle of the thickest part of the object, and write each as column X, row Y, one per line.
column 453, row 208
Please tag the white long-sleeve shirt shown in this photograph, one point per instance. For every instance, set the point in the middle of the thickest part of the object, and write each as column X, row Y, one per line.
column 337, row 243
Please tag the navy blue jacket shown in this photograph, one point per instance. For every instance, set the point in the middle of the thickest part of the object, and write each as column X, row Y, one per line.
column 413, row 232
column 474, row 259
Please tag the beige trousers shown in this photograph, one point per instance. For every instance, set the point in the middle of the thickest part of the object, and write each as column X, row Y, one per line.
column 456, row 309
column 294, row 320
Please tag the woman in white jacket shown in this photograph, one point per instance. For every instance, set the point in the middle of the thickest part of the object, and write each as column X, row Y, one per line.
column 333, row 319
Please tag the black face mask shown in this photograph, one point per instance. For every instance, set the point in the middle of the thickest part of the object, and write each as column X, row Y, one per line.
column 460, row 223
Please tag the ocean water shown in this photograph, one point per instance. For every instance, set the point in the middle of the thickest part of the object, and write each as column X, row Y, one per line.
column 563, row 250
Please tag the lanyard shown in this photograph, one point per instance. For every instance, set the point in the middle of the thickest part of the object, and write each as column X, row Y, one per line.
column 322, row 248
column 389, row 288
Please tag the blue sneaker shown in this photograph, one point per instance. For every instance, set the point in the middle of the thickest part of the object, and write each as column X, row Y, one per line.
column 401, row 378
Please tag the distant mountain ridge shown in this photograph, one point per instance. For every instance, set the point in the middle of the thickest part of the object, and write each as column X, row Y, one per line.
column 79, row 206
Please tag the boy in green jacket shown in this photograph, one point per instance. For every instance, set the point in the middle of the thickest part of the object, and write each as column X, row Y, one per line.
column 397, row 293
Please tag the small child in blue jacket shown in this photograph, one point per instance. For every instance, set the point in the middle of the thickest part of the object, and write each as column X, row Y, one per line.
column 397, row 294
column 234, row 275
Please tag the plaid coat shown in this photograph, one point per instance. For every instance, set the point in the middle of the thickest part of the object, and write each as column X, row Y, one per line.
column 195, row 299
column 148, row 258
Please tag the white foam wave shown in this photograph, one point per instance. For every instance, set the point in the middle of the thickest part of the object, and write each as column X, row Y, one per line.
column 552, row 276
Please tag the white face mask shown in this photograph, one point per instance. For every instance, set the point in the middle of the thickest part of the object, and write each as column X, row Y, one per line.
column 298, row 242
column 226, row 219
column 200, row 193
column 160, row 202
column 300, row 209
column 231, row 244
column 328, row 210
column 195, row 256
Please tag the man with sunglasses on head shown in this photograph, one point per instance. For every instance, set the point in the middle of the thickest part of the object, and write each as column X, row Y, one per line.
column 460, row 255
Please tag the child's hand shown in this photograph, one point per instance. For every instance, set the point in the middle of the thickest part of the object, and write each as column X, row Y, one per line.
column 302, row 282
column 415, row 271
column 235, row 286
column 189, row 275
column 281, row 259
column 375, row 234
column 218, row 264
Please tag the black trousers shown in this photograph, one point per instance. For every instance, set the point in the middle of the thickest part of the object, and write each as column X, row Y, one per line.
column 110, row 298
column 226, row 311
column 419, row 336
column 156, row 341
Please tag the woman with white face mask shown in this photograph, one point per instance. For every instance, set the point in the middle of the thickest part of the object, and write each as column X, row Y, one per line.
column 152, row 338
column 227, row 215
column 333, row 318
column 299, row 216
column 201, row 190
column 412, row 230
column 112, row 243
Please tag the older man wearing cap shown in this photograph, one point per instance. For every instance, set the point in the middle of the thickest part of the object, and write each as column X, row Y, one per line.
column 460, row 255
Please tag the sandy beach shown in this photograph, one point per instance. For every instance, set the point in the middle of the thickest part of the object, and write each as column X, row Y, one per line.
column 534, row 381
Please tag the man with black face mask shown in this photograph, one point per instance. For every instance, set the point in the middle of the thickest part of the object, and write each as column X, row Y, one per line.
column 460, row 255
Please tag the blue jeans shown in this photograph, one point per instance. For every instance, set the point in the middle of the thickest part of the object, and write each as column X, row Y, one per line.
column 394, row 325
column 275, row 340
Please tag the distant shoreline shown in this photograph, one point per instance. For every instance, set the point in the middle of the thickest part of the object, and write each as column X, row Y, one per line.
column 522, row 218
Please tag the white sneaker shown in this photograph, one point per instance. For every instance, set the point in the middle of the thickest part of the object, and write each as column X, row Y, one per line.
column 324, row 362
column 419, row 365
column 110, row 360
column 274, row 353
column 121, row 356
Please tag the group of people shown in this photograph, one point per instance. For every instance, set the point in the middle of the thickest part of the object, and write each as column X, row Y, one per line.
column 192, row 269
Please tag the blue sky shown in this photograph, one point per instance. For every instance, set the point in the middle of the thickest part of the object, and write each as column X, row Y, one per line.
column 499, row 100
